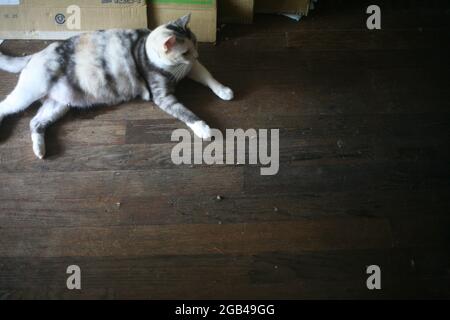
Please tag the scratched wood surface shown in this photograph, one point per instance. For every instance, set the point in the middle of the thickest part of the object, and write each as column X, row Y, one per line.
column 364, row 173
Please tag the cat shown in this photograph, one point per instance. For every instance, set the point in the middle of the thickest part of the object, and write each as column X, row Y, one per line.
column 109, row 67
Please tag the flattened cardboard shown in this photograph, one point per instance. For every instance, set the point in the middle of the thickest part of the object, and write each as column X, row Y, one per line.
column 52, row 19
column 236, row 11
column 203, row 20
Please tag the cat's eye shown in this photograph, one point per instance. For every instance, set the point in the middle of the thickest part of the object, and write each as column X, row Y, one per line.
column 186, row 53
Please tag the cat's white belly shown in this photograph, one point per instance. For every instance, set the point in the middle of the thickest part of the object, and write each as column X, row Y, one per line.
column 64, row 93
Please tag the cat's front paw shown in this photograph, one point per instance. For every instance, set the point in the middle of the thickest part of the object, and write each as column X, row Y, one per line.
column 201, row 129
column 38, row 145
column 224, row 93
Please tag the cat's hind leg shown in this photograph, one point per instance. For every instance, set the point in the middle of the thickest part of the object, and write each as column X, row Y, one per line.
column 50, row 111
column 32, row 86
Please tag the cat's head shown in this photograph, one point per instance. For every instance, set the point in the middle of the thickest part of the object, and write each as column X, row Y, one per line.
column 175, row 43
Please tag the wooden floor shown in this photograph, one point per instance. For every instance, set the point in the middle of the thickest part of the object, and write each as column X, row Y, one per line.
column 364, row 175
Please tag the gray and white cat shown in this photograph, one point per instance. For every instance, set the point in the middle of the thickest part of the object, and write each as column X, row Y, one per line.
column 106, row 68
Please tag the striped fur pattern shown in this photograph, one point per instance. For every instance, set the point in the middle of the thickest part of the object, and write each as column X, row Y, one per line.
column 109, row 67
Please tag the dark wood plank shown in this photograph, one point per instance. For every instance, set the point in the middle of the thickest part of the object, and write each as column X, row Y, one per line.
column 422, row 231
column 373, row 177
column 345, row 149
column 103, row 184
column 236, row 208
column 303, row 127
column 341, row 273
column 321, row 234
column 15, row 132
column 365, row 40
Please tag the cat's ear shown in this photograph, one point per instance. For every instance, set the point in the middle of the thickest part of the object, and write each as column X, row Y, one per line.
column 169, row 43
column 184, row 21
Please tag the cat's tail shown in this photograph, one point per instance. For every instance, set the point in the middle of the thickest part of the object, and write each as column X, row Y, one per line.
column 13, row 64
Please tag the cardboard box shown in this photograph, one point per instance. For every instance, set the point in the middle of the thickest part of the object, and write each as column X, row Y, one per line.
column 60, row 19
column 203, row 19
column 283, row 6
column 236, row 11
